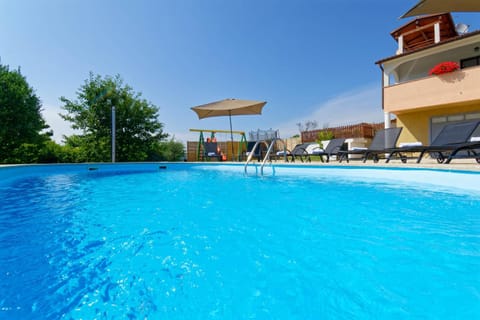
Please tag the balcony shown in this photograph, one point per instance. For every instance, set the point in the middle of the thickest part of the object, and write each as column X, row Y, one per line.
column 455, row 88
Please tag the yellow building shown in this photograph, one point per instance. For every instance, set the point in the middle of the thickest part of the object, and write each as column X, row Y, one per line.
column 423, row 104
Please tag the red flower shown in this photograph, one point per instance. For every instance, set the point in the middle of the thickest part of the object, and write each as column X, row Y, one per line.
column 444, row 67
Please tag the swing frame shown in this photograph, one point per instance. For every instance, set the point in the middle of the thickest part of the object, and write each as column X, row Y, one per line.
column 201, row 141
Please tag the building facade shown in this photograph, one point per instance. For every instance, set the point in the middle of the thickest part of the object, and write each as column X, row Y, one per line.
column 422, row 103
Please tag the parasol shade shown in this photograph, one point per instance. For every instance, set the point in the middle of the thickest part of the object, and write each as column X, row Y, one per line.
column 229, row 107
column 440, row 6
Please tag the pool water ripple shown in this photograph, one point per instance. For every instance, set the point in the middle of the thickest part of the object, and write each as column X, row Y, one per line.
column 213, row 244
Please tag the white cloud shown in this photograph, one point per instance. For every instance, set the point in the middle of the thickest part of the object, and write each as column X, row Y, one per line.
column 360, row 105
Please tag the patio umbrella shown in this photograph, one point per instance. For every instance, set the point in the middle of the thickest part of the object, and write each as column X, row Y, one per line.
column 440, row 6
column 229, row 107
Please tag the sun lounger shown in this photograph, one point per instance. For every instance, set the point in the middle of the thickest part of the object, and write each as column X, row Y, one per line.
column 299, row 151
column 469, row 149
column 281, row 154
column 333, row 148
column 472, row 150
column 384, row 139
column 451, row 140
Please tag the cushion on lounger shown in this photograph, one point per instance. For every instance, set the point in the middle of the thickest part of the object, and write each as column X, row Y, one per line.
column 358, row 148
column 311, row 147
column 410, row 144
column 318, row 150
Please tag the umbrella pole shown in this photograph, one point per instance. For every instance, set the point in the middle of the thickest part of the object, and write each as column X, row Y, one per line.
column 231, row 131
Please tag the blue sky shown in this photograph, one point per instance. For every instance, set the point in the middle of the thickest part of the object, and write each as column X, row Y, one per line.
column 309, row 59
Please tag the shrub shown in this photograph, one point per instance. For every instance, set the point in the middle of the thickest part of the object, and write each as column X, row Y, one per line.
column 324, row 135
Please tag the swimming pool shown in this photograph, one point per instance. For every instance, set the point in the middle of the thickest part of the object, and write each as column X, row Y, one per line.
column 181, row 241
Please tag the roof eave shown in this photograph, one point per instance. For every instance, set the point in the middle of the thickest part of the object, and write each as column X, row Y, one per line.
column 458, row 38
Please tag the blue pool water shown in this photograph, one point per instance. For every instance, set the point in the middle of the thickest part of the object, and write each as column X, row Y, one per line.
column 208, row 242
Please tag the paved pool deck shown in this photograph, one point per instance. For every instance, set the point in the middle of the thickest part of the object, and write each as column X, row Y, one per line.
column 456, row 164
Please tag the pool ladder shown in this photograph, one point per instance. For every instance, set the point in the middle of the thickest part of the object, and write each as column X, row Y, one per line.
column 267, row 155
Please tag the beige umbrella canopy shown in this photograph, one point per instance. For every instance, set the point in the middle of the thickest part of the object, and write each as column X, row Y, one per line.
column 440, row 6
column 229, row 107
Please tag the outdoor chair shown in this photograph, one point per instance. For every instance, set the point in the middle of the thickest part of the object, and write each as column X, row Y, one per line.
column 211, row 151
column 451, row 142
column 333, row 148
column 383, row 140
column 299, row 151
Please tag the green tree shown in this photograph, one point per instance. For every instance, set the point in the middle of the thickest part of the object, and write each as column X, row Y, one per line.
column 138, row 130
column 21, row 122
column 169, row 151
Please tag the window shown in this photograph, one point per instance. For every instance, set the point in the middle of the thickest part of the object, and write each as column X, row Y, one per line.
column 471, row 116
column 470, row 62
column 437, row 123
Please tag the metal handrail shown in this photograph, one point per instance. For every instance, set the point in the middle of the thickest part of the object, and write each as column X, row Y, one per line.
column 267, row 155
column 269, row 150
column 252, row 153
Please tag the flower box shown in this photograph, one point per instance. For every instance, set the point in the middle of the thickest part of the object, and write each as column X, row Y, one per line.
column 444, row 67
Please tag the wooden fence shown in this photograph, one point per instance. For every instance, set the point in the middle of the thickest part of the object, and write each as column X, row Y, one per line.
column 225, row 147
column 361, row 130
